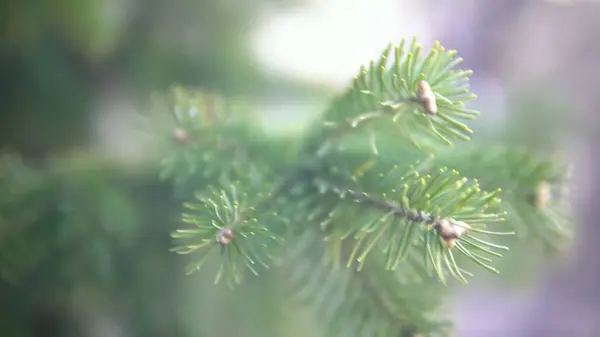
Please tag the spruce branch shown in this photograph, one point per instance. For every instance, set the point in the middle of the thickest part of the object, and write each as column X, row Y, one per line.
column 192, row 129
column 422, row 94
column 237, row 222
column 206, row 137
column 535, row 189
column 366, row 303
column 408, row 210
column 418, row 225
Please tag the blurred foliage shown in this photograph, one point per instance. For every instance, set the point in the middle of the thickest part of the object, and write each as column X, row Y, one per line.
column 350, row 194
column 84, row 241
column 94, row 239
column 56, row 56
column 78, row 227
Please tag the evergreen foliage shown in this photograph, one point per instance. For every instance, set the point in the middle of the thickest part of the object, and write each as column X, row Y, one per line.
column 371, row 214
column 374, row 178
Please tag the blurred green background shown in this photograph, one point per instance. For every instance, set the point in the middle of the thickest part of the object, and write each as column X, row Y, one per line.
column 84, row 232
column 58, row 57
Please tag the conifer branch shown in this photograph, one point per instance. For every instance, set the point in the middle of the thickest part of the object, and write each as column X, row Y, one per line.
column 422, row 94
column 448, row 228
column 372, row 302
column 210, row 138
column 407, row 210
column 535, row 189
column 235, row 221
column 355, row 205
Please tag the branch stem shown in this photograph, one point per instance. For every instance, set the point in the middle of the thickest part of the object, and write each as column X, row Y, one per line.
column 448, row 228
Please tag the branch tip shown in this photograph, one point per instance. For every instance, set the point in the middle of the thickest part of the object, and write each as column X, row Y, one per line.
column 426, row 97
column 180, row 135
column 451, row 229
column 225, row 236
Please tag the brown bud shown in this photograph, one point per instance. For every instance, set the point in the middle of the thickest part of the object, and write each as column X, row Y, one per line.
column 426, row 97
column 224, row 236
column 450, row 230
column 542, row 194
column 180, row 135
